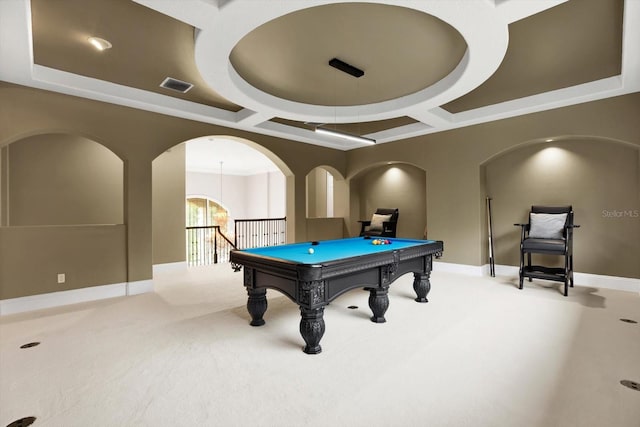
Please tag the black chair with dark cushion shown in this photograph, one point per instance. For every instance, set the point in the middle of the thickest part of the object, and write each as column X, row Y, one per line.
column 383, row 223
column 549, row 231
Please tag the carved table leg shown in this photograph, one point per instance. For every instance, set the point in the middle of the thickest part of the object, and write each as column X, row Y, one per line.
column 257, row 305
column 312, row 328
column 422, row 286
column 378, row 302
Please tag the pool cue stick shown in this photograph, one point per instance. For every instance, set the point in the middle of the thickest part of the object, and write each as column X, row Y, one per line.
column 492, row 264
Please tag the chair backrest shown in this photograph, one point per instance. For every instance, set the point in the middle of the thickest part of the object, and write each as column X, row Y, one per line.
column 551, row 209
column 389, row 211
column 555, row 210
column 536, row 209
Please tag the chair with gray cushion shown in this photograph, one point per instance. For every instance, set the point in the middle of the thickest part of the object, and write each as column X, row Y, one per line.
column 550, row 232
column 383, row 223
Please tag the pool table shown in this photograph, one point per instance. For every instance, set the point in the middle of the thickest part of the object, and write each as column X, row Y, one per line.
column 312, row 274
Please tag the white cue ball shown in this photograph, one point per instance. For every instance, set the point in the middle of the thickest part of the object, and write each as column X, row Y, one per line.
column 311, row 250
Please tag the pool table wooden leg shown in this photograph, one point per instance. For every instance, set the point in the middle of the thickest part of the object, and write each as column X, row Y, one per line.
column 257, row 305
column 379, row 303
column 312, row 328
column 422, row 286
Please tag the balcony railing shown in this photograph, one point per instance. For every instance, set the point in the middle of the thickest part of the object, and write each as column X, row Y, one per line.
column 208, row 245
column 253, row 233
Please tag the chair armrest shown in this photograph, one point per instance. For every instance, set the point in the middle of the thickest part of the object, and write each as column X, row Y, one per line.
column 363, row 226
column 389, row 225
column 523, row 229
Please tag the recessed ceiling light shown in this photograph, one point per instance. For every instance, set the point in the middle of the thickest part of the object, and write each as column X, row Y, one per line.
column 100, row 44
column 548, row 140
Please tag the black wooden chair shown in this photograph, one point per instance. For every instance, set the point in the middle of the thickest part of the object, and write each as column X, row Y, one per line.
column 549, row 231
column 383, row 223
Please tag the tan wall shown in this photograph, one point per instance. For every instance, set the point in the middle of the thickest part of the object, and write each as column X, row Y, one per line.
column 63, row 180
column 60, row 192
column 32, row 257
column 317, row 193
column 321, row 193
column 453, row 162
column 4, row 190
column 138, row 137
column 168, row 204
column 399, row 186
column 324, row 228
column 597, row 177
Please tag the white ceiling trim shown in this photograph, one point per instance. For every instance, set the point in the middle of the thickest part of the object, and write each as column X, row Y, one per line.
column 16, row 66
column 486, row 36
column 199, row 14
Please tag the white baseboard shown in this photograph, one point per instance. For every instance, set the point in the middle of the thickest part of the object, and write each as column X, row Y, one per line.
column 139, row 287
column 580, row 279
column 169, row 266
column 55, row 299
column 74, row 296
column 93, row 293
column 608, row 282
column 448, row 267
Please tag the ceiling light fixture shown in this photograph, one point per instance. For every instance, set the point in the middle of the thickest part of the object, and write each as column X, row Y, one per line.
column 100, row 44
column 344, row 135
column 355, row 72
column 346, row 68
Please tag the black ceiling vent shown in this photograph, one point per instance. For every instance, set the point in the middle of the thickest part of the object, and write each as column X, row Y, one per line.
column 347, row 68
column 175, row 84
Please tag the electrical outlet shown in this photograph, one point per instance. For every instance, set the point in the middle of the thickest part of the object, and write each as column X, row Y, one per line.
column 61, row 278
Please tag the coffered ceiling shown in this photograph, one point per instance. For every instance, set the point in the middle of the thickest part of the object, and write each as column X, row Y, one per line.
column 262, row 65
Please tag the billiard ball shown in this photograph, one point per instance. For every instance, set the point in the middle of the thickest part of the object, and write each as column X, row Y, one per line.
column 311, row 250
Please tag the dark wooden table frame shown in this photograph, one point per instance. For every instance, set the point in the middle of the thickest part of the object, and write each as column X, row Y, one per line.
column 313, row 286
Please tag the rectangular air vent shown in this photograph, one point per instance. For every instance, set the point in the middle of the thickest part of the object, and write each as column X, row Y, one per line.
column 175, row 84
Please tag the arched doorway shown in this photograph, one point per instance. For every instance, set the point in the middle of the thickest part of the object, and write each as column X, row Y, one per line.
column 232, row 177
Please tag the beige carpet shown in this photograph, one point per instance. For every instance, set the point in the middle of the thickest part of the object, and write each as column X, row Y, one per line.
column 480, row 353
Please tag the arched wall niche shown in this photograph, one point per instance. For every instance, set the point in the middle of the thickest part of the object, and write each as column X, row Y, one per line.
column 62, row 202
column 327, row 203
column 61, row 179
column 599, row 177
column 390, row 184
column 325, row 193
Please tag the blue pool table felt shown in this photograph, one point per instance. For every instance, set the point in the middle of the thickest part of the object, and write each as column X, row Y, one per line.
column 332, row 250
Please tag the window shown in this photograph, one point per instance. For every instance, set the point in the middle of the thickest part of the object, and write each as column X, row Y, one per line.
column 206, row 212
